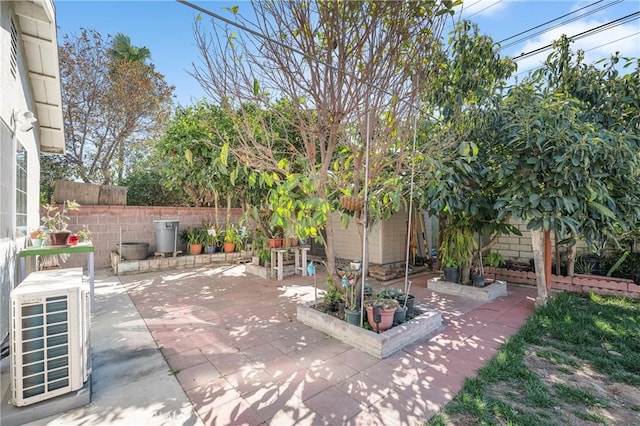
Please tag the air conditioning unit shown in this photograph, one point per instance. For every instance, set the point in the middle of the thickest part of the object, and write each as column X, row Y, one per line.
column 50, row 348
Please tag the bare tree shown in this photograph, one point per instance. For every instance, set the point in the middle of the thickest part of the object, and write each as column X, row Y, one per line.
column 110, row 106
column 350, row 70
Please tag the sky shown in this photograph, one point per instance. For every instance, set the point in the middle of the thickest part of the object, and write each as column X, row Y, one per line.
column 166, row 28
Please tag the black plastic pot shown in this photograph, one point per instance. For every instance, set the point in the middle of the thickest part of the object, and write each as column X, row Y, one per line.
column 451, row 274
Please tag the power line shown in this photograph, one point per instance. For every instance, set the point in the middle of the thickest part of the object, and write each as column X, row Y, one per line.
column 550, row 21
column 591, row 31
column 295, row 50
column 568, row 21
column 588, row 50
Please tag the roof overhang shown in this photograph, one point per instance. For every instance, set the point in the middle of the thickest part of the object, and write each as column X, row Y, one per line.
column 38, row 32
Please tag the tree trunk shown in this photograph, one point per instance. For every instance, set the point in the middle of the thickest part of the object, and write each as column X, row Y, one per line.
column 228, row 209
column 537, row 244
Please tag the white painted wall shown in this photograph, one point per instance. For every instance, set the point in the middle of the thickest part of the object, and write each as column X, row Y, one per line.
column 15, row 95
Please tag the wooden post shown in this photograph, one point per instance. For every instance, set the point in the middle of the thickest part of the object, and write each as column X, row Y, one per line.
column 537, row 244
column 547, row 260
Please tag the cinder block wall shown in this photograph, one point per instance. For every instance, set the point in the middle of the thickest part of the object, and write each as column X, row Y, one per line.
column 135, row 224
column 519, row 248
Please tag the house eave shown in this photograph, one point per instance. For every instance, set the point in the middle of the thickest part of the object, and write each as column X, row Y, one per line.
column 38, row 33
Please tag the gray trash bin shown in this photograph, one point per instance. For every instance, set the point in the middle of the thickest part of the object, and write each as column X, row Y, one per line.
column 166, row 235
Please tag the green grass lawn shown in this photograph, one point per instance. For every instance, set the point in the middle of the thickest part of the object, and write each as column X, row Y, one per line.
column 576, row 361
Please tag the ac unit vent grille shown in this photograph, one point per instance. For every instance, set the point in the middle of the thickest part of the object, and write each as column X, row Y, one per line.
column 48, row 341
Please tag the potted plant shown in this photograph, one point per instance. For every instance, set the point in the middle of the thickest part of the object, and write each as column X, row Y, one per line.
column 56, row 222
column 451, row 271
column 231, row 239
column 265, row 257
column 456, row 250
column 351, row 311
column 84, row 234
column 194, row 238
column 333, row 296
column 276, row 235
column 212, row 239
column 37, row 237
column 494, row 260
column 380, row 313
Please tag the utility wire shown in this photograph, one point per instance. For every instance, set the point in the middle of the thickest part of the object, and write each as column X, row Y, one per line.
column 568, row 21
column 530, row 70
column 591, row 31
column 550, row 21
column 295, row 50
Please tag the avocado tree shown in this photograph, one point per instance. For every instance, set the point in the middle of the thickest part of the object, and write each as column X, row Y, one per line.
column 452, row 182
column 570, row 162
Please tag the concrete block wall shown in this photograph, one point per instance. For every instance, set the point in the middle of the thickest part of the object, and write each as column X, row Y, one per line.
column 519, row 248
column 135, row 224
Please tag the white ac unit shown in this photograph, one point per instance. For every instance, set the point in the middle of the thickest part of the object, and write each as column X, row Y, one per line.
column 50, row 348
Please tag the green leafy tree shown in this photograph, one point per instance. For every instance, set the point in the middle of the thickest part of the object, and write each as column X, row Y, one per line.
column 145, row 188
column 112, row 108
column 350, row 71
column 194, row 157
column 122, row 49
column 570, row 163
column 452, row 182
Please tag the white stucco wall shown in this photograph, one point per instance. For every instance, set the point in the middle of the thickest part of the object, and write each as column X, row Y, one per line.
column 16, row 95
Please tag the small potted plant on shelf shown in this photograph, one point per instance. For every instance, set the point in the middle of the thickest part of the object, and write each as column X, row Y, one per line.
column 84, row 234
column 37, row 237
column 56, row 222
column 276, row 237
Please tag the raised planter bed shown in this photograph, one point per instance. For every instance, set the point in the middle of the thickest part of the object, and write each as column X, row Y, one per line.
column 378, row 345
column 621, row 287
column 485, row 294
column 124, row 267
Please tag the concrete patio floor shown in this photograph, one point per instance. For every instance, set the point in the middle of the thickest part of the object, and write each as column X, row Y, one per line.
column 238, row 354
column 241, row 357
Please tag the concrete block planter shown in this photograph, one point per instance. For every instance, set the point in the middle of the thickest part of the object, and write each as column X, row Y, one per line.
column 485, row 294
column 378, row 345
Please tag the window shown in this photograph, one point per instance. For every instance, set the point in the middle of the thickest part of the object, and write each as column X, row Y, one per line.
column 21, row 189
column 7, row 155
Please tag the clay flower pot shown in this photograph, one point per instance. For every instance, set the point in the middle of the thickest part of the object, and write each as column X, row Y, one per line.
column 386, row 318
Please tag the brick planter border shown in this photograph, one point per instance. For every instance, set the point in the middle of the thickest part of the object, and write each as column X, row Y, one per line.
column 611, row 286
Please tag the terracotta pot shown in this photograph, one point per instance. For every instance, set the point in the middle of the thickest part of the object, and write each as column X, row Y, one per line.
column 229, row 247
column 58, row 239
column 275, row 242
column 195, row 248
column 386, row 319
